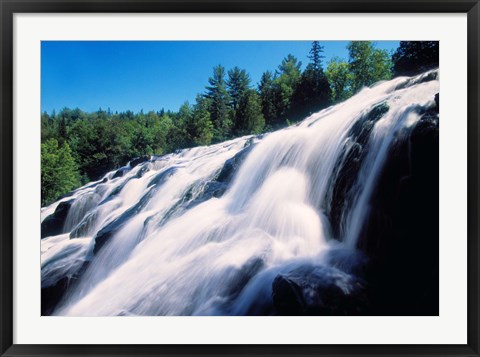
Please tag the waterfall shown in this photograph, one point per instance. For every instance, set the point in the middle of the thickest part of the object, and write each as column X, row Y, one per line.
column 213, row 230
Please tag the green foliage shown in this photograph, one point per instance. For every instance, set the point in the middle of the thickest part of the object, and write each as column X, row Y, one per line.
column 287, row 78
column 413, row 57
column 340, row 79
column 367, row 64
column 381, row 66
column 267, row 96
column 59, row 172
column 237, row 84
column 316, row 56
column 200, row 127
column 219, row 100
column 250, row 117
column 312, row 92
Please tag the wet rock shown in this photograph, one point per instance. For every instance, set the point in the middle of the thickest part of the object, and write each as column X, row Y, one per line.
column 348, row 166
column 120, row 172
column 160, row 178
column 401, row 235
column 426, row 77
column 83, row 229
column 138, row 160
column 231, row 165
column 51, row 296
column 241, row 276
column 120, row 187
column 318, row 290
column 54, row 223
column 142, row 171
column 107, row 232
column 350, row 261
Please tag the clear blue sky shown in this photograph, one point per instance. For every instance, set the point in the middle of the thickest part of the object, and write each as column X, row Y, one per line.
column 135, row 75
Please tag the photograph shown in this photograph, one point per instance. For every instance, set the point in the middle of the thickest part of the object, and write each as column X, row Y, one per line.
column 239, row 178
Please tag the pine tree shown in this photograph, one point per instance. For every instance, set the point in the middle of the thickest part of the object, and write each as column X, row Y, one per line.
column 237, row 84
column 267, row 97
column 178, row 136
column 287, row 78
column 250, row 117
column 200, row 127
column 219, row 104
column 313, row 90
column 316, row 56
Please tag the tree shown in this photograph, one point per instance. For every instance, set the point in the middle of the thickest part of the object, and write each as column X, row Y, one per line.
column 312, row 92
column 287, row 77
column 59, row 171
column 48, row 130
column 367, row 64
column 316, row 56
column 413, row 57
column 161, row 129
column 340, row 79
column 200, row 127
column 237, row 84
column 178, row 137
column 250, row 117
column 381, row 66
column 219, row 104
column 267, row 97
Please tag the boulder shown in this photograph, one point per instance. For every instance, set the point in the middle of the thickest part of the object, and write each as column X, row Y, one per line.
column 138, row 160
column 348, row 166
column 231, row 165
column 120, row 172
column 401, row 234
column 318, row 290
column 54, row 223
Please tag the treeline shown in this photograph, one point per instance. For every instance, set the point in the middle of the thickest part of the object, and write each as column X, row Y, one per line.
column 78, row 147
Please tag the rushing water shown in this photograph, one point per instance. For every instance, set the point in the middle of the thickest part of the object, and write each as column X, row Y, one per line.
column 165, row 239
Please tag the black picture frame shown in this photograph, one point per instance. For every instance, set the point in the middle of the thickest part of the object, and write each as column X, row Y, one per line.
column 7, row 182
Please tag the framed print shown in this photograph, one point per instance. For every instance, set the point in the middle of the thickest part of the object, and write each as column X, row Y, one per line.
column 255, row 178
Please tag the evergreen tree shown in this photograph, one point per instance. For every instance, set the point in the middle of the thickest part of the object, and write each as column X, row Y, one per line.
column 316, row 56
column 287, row 78
column 178, row 137
column 250, row 117
column 237, row 84
column 267, row 97
column 200, row 128
column 48, row 130
column 414, row 57
column 313, row 90
column 62, row 130
column 219, row 104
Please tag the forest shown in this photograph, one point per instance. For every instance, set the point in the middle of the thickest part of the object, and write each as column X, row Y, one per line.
column 78, row 147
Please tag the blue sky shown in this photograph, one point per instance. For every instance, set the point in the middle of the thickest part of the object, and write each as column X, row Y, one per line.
column 135, row 75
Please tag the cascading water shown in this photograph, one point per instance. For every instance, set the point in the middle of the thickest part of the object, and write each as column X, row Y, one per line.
column 233, row 228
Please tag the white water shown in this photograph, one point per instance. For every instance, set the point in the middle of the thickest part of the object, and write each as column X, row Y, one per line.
column 189, row 262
